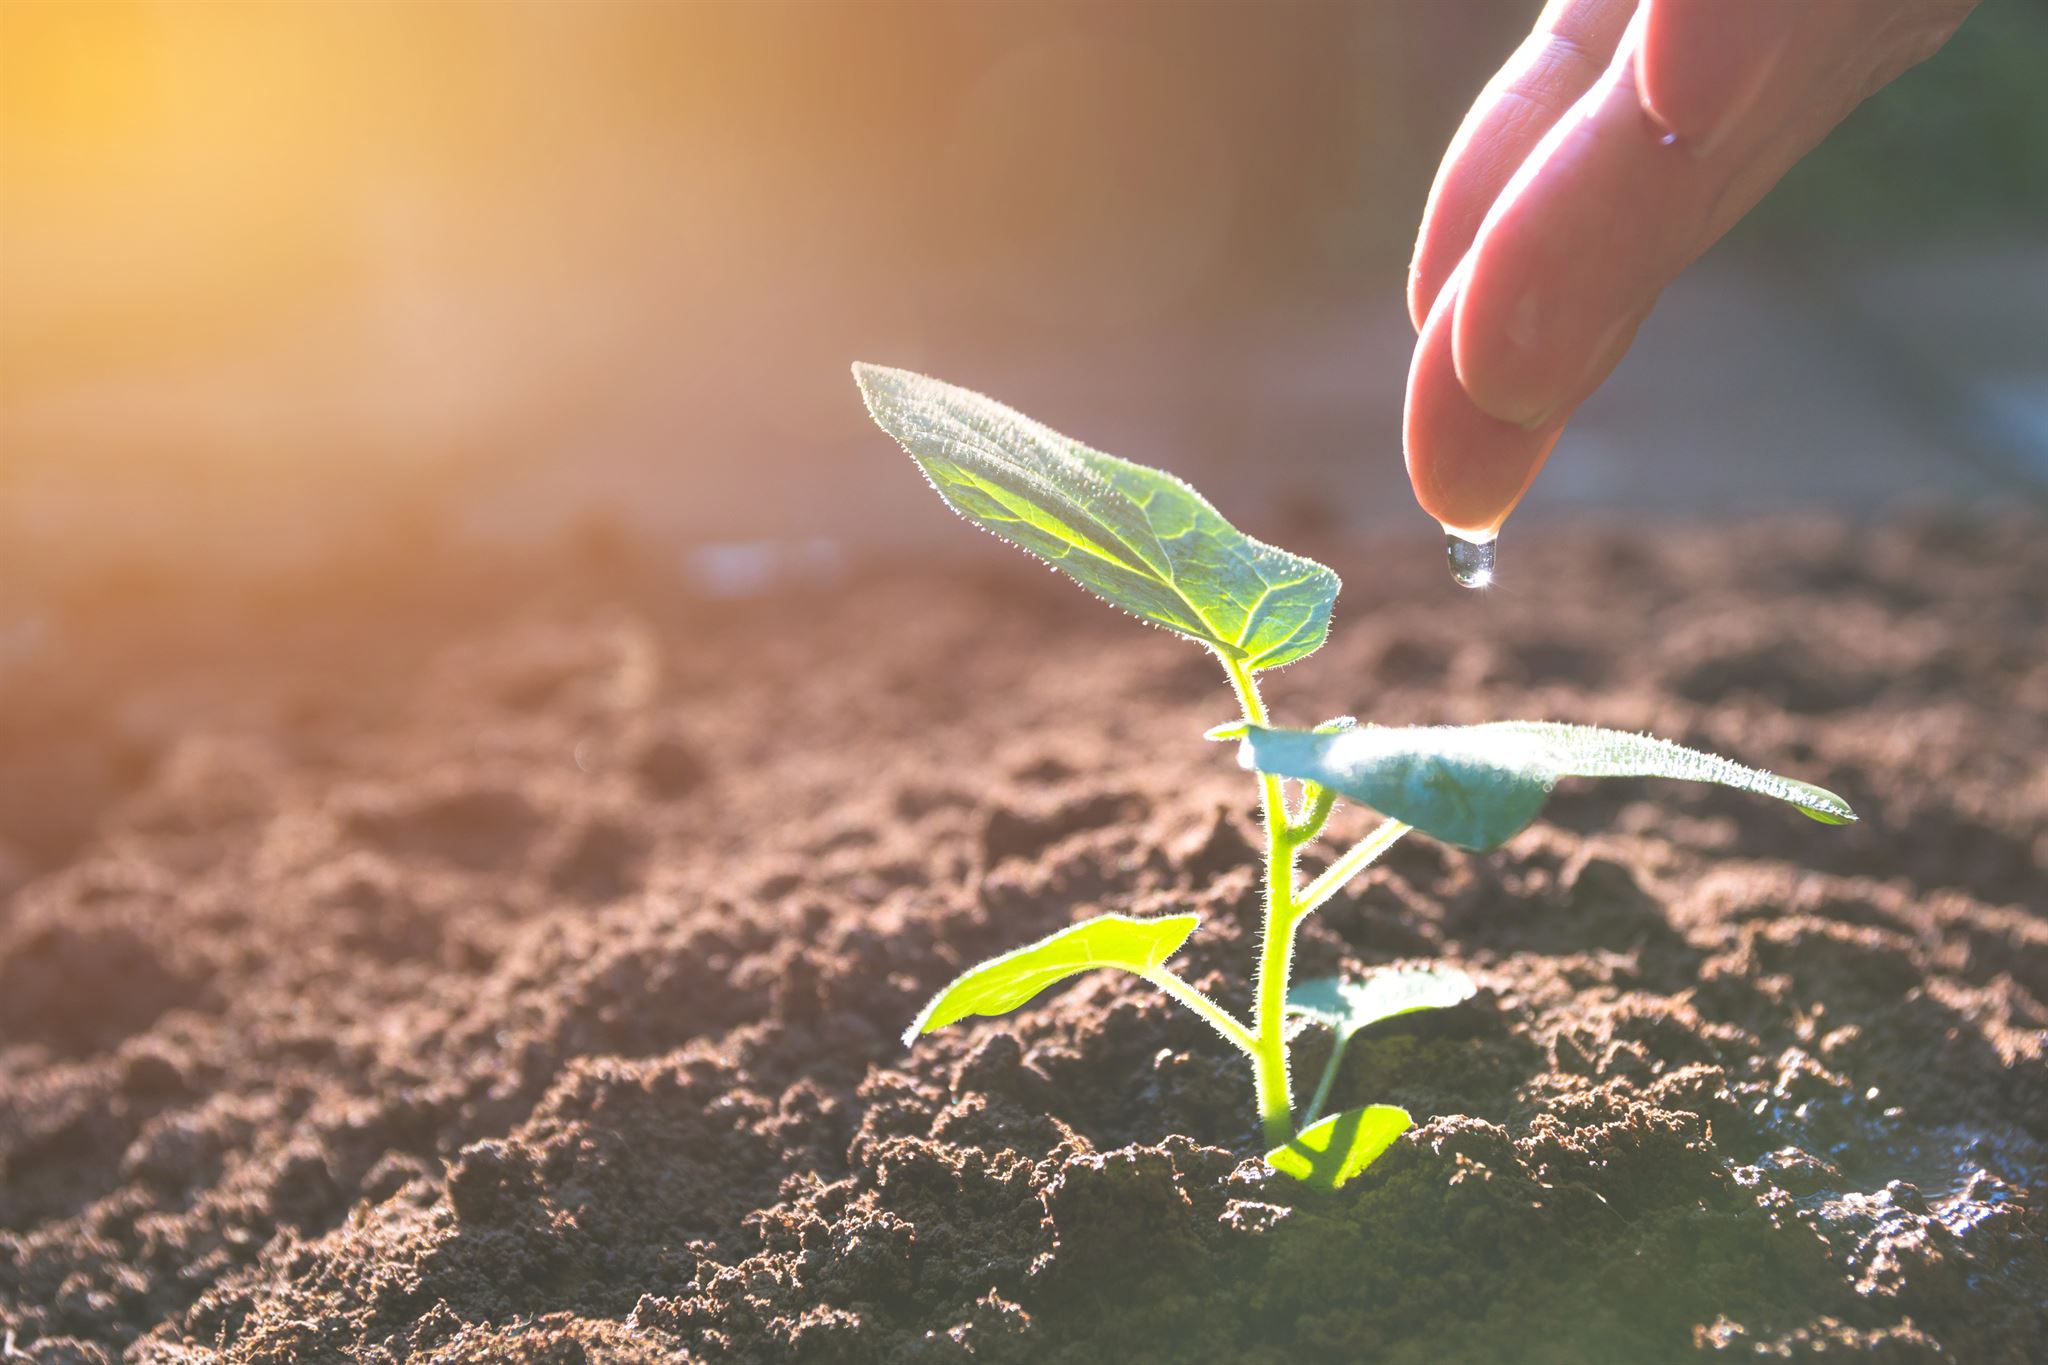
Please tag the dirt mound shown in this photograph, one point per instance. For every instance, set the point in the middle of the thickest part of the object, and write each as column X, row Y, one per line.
column 511, row 968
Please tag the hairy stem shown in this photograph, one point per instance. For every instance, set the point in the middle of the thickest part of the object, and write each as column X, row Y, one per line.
column 1218, row 1018
column 1286, row 907
column 1316, row 804
column 1315, row 1106
column 1276, row 936
column 1353, row 861
column 1276, row 955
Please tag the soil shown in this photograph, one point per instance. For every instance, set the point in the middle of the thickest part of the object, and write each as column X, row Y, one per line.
column 505, row 961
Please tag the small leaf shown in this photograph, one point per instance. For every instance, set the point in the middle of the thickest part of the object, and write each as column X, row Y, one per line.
column 1331, row 1151
column 1227, row 733
column 1138, row 538
column 1477, row 786
column 1001, row 984
column 1348, row 1006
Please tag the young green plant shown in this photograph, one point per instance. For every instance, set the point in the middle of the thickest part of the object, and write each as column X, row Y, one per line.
column 1146, row 542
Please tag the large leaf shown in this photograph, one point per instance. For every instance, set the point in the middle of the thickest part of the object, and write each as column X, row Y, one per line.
column 1001, row 984
column 1330, row 1152
column 1478, row 785
column 1135, row 537
column 1348, row 1006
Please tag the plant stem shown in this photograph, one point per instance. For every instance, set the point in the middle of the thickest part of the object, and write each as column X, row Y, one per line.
column 1315, row 1106
column 1353, row 861
column 1276, row 937
column 1218, row 1018
column 1266, row 1040
column 1276, row 954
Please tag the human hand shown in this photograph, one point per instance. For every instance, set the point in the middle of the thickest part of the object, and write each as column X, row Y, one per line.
column 1622, row 139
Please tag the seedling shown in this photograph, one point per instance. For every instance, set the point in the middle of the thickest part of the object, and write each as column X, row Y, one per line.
column 1144, row 541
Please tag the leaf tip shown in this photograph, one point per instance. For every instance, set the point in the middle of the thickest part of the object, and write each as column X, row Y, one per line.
column 922, row 1024
column 1822, row 806
column 882, row 385
column 1228, row 732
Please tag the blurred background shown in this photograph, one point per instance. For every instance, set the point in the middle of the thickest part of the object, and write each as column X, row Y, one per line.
column 285, row 282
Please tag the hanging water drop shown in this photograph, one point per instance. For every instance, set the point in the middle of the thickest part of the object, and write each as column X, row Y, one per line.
column 1471, row 560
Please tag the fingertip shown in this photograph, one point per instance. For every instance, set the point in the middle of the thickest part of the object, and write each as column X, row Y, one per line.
column 1468, row 468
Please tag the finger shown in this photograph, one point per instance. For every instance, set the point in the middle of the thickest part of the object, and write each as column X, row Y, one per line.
column 1573, row 42
column 1468, row 469
column 1589, row 231
column 1610, row 206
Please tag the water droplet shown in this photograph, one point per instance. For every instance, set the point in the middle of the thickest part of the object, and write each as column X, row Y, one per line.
column 1471, row 560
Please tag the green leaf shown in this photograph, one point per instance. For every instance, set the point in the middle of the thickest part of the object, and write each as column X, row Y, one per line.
column 1001, row 984
column 1137, row 538
column 1476, row 786
column 1348, row 1006
column 1330, row 1152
